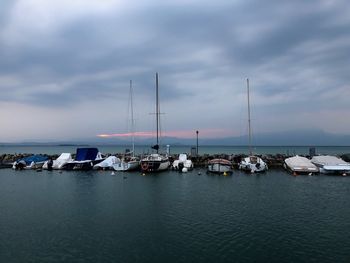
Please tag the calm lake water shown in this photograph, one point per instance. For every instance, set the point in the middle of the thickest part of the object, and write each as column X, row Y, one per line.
column 171, row 217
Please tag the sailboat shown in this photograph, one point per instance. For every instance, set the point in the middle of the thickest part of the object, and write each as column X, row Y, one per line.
column 155, row 162
column 129, row 163
column 252, row 163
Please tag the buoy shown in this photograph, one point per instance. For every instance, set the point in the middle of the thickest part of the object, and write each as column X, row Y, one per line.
column 225, row 173
column 184, row 170
column 199, row 173
column 112, row 173
column 344, row 174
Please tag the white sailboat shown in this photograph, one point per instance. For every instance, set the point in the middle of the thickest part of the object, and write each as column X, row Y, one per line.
column 129, row 163
column 155, row 162
column 252, row 163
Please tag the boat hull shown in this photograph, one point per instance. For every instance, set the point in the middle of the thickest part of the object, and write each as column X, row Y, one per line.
column 148, row 166
column 126, row 166
column 81, row 165
column 219, row 166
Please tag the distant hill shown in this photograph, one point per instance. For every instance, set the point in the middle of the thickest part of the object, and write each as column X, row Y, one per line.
column 288, row 138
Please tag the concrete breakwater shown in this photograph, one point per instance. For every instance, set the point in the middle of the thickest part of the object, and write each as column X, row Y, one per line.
column 272, row 160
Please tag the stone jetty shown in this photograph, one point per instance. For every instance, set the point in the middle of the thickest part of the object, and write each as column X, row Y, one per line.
column 272, row 160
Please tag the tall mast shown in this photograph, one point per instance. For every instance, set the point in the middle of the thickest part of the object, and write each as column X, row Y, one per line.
column 132, row 120
column 157, row 110
column 249, row 127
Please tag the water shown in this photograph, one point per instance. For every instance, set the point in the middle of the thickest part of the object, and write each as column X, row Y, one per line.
column 176, row 149
column 170, row 217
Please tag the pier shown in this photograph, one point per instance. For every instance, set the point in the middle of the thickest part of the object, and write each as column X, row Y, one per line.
column 200, row 161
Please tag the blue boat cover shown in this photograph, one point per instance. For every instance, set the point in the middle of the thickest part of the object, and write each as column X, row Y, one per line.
column 33, row 158
column 84, row 154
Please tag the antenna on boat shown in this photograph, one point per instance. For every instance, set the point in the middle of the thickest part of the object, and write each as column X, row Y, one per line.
column 249, row 126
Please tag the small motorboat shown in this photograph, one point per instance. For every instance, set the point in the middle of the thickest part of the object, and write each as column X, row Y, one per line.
column 30, row 162
column 300, row 165
column 85, row 159
column 220, row 166
column 182, row 164
column 331, row 164
column 59, row 163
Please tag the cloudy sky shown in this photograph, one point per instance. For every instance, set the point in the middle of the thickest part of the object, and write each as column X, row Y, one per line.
column 65, row 66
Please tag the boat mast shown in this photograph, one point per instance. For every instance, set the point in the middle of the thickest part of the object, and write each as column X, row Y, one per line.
column 249, row 126
column 157, row 111
column 132, row 119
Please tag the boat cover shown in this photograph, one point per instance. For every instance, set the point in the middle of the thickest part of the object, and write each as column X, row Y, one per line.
column 108, row 162
column 182, row 157
column 64, row 157
column 300, row 163
column 33, row 158
column 329, row 160
column 84, row 154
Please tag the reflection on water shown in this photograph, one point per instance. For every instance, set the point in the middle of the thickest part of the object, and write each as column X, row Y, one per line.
column 98, row 217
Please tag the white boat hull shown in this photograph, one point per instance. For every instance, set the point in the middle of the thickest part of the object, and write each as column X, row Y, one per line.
column 126, row 166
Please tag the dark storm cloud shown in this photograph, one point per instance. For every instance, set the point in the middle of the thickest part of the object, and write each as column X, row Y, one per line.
column 293, row 51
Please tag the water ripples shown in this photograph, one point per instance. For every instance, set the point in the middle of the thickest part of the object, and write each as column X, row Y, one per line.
column 95, row 217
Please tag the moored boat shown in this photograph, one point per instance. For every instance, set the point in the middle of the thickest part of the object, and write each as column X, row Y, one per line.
column 156, row 162
column 219, row 166
column 331, row 164
column 59, row 163
column 129, row 162
column 182, row 164
column 300, row 165
column 85, row 159
column 252, row 163
column 30, row 162
column 107, row 164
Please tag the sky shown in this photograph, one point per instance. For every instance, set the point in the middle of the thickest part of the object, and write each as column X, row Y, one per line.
column 65, row 67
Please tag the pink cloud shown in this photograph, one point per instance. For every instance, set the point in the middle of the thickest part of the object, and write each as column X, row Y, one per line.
column 203, row 133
